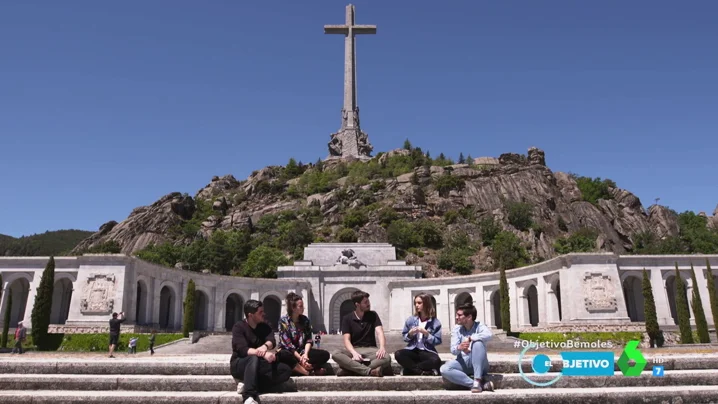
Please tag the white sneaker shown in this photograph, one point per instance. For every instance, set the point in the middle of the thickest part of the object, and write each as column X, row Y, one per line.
column 250, row 400
column 240, row 388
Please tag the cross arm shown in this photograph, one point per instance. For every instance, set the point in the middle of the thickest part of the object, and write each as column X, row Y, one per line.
column 364, row 29
column 336, row 29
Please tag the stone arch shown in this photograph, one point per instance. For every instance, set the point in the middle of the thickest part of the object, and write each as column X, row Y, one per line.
column 461, row 298
column 233, row 310
column 337, row 304
column 201, row 309
column 496, row 309
column 168, row 302
column 272, row 304
column 633, row 295
column 61, row 298
column 141, row 301
column 531, row 312
column 20, row 288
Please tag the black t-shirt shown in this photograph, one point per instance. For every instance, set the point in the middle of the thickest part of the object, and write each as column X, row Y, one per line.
column 115, row 325
column 245, row 337
column 362, row 331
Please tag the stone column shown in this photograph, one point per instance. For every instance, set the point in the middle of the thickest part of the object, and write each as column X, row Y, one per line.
column 663, row 309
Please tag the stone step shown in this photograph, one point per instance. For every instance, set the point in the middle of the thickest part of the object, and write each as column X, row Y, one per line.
column 674, row 394
column 197, row 367
column 333, row 383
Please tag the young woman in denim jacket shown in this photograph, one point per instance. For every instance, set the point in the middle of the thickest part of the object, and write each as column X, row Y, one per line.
column 422, row 332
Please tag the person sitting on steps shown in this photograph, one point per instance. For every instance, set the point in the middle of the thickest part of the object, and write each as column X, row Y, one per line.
column 422, row 331
column 361, row 328
column 295, row 341
column 468, row 343
column 251, row 361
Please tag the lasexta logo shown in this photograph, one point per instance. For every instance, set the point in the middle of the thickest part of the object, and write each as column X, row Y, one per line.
column 631, row 352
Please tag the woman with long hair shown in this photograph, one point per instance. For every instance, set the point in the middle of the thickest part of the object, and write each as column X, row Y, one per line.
column 295, row 340
column 422, row 332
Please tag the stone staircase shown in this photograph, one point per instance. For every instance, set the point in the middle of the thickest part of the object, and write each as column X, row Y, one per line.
column 206, row 379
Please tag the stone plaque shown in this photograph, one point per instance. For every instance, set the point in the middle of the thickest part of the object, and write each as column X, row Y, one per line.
column 97, row 295
column 599, row 292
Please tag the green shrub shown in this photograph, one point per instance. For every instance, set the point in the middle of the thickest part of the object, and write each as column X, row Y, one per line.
column 42, row 308
column 519, row 214
column 347, row 236
column 583, row 240
column 593, row 189
column 507, row 251
column 649, row 308
column 446, row 183
column 188, row 309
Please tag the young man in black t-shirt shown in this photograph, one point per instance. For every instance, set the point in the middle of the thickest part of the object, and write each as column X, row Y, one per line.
column 115, row 331
column 360, row 330
column 251, row 361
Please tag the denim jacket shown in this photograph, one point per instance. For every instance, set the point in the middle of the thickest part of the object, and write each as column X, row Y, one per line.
column 433, row 326
column 477, row 332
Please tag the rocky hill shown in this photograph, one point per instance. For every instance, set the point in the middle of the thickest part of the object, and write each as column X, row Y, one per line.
column 478, row 214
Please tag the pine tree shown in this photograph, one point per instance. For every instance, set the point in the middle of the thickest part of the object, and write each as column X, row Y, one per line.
column 461, row 158
column 469, row 160
column 655, row 335
column 407, row 145
column 6, row 321
column 712, row 294
column 684, row 322
column 189, row 302
column 700, row 315
column 42, row 308
column 505, row 304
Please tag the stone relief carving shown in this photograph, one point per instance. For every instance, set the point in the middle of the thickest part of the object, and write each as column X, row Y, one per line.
column 363, row 146
column 599, row 292
column 335, row 145
column 98, row 294
column 349, row 258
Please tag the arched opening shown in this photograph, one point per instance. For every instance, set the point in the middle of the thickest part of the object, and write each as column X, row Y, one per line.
column 233, row 311
column 141, row 304
column 633, row 295
column 554, row 302
column 338, row 307
column 61, row 297
column 272, row 311
column 462, row 298
column 671, row 294
column 201, row 306
column 532, row 303
column 346, row 308
column 167, row 303
column 20, row 290
column 496, row 309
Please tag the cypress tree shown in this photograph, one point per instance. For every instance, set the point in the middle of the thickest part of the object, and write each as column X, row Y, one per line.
column 6, row 321
column 505, row 302
column 697, row 303
column 712, row 295
column 42, row 308
column 684, row 322
column 649, row 309
column 189, row 301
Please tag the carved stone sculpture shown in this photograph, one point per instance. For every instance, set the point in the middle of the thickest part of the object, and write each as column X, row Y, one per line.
column 98, row 294
column 599, row 292
column 349, row 258
column 335, row 145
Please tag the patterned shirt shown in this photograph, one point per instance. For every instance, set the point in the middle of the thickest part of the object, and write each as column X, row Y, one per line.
column 294, row 337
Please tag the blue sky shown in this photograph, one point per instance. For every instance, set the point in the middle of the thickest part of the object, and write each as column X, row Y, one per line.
column 107, row 106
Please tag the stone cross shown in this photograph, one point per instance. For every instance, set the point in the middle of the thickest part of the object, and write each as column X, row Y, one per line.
column 350, row 141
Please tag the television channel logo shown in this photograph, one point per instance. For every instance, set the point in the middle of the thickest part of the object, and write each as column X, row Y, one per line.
column 582, row 363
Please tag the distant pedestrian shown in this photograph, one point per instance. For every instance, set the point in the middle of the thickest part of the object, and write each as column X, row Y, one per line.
column 20, row 335
column 133, row 345
column 115, row 331
column 152, row 342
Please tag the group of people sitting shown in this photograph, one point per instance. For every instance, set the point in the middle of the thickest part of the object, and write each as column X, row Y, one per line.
column 364, row 354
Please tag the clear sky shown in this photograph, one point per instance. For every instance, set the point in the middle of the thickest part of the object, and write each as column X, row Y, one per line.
column 107, row 106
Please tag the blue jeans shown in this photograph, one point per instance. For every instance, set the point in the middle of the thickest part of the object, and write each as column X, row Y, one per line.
column 457, row 371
